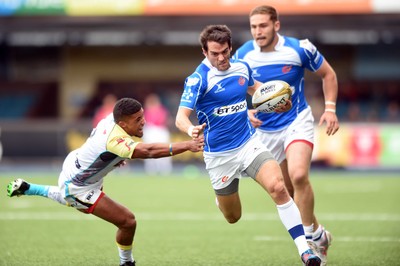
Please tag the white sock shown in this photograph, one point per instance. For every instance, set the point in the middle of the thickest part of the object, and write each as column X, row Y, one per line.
column 317, row 234
column 125, row 253
column 54, row 194
column 291, row 219
column 308, row 230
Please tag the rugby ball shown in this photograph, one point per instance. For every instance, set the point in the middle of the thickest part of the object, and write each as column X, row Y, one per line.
column 270, row 94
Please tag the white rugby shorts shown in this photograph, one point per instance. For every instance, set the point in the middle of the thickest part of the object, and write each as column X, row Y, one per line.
column 224, row 167
column 302, row 128
column 83, row 198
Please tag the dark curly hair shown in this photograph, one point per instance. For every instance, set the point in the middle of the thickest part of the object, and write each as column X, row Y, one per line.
column 215, row 33
column 125, row 107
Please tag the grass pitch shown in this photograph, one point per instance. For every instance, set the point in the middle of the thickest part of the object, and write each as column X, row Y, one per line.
column 179, row 224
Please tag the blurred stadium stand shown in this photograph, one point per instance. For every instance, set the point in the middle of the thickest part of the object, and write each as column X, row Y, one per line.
column 54, row 70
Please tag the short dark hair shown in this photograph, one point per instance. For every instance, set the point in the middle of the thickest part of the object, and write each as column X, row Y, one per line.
column 125, row 107
column 215, row 33
column 268, row 10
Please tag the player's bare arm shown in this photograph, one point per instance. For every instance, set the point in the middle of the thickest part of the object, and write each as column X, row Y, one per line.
column 330, row 89
column 159, row 150
column 184, row 124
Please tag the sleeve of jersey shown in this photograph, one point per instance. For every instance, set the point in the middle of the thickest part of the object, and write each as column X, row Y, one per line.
column 236, row 55
column 191, row 91
column 243, row 50
column 312, row 59
column 250, row 71
column 121, row 143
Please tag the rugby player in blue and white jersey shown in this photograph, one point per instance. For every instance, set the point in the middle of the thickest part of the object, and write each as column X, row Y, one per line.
column 217, row 92
column 290, row 135
column 80, row 184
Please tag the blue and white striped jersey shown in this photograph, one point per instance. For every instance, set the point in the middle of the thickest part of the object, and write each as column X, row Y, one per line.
column 219, row 98
column 287, row 62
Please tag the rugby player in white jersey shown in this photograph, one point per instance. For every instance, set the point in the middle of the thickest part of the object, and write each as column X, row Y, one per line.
column 290, row 135
column 217, row 91
column 81, row 180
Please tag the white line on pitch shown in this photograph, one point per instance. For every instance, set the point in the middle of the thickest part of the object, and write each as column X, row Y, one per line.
column 336, row 239
column 193, row 216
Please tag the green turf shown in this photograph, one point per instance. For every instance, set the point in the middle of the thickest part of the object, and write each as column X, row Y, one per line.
column 179, row 224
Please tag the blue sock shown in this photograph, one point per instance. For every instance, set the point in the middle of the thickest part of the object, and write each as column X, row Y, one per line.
column 39, row 190
column 296, row 231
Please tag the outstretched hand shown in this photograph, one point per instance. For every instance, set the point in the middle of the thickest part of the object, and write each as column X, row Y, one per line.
column 197, row 144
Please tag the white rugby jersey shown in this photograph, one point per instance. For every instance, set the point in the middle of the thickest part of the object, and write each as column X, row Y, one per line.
column 219, row 98
column 107, row 146
column 287, row 62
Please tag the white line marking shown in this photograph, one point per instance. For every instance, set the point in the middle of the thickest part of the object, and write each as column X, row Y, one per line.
column 194, row 216
column 336, row 239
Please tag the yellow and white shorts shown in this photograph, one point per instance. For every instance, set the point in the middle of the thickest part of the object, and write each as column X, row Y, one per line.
column 83, row 198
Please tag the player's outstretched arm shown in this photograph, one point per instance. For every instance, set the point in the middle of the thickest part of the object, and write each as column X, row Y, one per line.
column 159, row 150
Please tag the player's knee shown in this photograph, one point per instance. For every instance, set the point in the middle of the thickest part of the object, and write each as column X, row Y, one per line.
column 129, row 222
column 132, row 222
column 299, row 178
column 277, row 189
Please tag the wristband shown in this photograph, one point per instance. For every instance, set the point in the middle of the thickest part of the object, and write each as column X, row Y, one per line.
column 170, row 149
column 330, row 110
column 330, row 102
column 190, row 131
